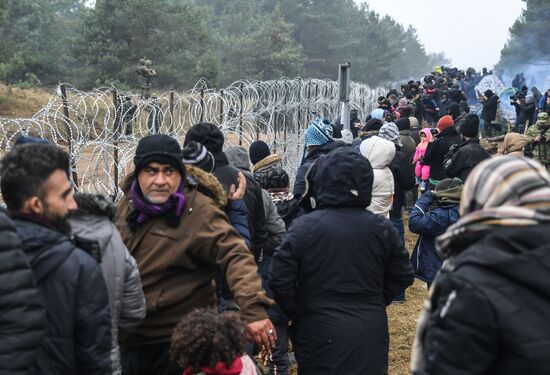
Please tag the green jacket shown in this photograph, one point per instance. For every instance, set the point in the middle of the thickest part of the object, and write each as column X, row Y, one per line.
column 541, row 150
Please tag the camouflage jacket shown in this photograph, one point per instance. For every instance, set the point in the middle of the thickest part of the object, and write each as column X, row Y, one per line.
column 541, row 150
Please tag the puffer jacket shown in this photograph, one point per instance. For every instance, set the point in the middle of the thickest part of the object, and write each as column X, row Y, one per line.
column 429, row 220
column 72, row 288
column 92, row 222
column 22, row 315
column 380, row 153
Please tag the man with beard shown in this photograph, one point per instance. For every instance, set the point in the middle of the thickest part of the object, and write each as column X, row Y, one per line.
column 39, row 196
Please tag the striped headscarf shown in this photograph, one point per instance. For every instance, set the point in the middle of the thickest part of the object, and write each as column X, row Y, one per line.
column 500, row 191
column 390, row 132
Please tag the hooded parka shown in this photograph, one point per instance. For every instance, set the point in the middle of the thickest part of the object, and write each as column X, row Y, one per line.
column 380, row 153
column 335, row 281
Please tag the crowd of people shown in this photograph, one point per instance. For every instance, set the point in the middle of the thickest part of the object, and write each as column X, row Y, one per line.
column 213, row 255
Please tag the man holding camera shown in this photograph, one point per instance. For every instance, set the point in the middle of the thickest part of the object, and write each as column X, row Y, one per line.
column 539, row 137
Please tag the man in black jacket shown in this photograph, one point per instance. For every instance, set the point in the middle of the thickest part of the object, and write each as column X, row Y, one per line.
column 210, row 136
column 39, row 196
column 489, row 112
column 437, row 150
column 335, row 281
column 22, row 316
column 463, row 158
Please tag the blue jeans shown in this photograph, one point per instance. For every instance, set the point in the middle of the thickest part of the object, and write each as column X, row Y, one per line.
column 400, row 228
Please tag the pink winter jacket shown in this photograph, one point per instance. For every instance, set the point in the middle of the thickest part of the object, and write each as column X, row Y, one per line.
column 420, row 170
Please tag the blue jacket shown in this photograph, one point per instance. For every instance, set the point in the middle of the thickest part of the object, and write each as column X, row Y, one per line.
column 238, row 217
column 429, row 221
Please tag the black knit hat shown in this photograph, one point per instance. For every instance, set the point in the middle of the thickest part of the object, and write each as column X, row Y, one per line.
column 470, row 127
column 403, row 124
column 373, row 124
column 158, row 148
column 207, row 134
column 258, row 151
column 196, row 154
column 454, row 110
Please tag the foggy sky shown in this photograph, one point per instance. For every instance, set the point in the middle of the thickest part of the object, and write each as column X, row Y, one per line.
column 470, row 32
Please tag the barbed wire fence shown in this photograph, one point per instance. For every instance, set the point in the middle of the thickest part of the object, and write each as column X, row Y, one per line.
column 100, row 129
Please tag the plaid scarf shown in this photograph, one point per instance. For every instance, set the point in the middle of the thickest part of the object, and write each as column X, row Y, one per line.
column 499, row 192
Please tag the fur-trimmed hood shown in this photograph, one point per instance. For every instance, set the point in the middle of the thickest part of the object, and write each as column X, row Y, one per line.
column 196, row 178
column 94, row 204
column 267, row 162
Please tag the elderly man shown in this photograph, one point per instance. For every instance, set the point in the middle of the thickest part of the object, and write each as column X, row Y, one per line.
column 179, row 238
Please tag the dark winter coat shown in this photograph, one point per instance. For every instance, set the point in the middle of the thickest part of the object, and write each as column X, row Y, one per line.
column 489, row 307
column 429, row 220
column 414, row 133
column 335, row 281
column 489, row 111
column 22, row 315
column 465, row 157
column 250, row 226
column 256, row 215
column 299, row 182
column 437, row 150
column 459, row 120
column 409, row 144
column 71, row 284
column 444, row 107
column 403, row 177
column 526, row 113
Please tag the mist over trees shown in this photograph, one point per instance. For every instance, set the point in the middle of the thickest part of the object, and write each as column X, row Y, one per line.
column 528, row 48
column 45, row 42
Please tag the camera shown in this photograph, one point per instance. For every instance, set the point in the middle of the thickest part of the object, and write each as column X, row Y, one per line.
column 433, row 131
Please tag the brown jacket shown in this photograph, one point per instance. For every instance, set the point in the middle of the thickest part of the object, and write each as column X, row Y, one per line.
column 177, row 266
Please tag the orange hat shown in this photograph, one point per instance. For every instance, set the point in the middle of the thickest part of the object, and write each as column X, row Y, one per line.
column 445, row 122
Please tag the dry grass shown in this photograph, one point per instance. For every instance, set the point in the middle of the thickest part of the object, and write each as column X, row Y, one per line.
column 22, row 103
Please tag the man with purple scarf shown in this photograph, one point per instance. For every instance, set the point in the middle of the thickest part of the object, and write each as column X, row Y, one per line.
column 179, row 238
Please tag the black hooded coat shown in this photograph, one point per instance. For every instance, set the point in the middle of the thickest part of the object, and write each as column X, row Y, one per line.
column 489, row 307
column 335, row 281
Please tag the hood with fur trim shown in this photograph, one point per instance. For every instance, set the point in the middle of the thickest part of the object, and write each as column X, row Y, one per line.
column 267, row 162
